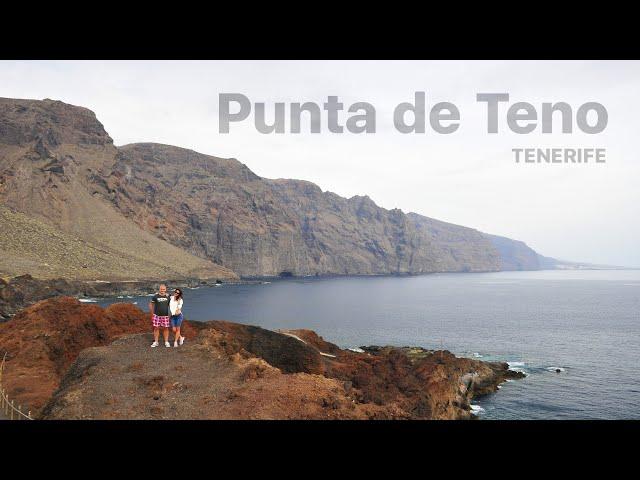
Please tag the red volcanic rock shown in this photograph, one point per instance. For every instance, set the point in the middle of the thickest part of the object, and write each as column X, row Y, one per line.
column 411, row 382
column 312, row 338
column 286, row 353
column 204, row 380
column 42, row 341
column 224, row 370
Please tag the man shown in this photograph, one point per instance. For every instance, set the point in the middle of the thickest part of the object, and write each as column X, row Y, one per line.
column 159, row 308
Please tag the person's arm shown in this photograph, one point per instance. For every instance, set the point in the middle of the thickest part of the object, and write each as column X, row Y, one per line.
column 151, row 307
column 179, row 307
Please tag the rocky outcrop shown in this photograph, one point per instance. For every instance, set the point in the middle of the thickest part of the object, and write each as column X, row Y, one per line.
column 43, row 340
column 424, row 384
column 203, row 380
column 69, row 360
column 116, row 207
column 49, row 123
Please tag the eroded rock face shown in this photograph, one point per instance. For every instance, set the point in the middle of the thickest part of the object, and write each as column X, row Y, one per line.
column 217, row 208
column 53, row 160
column 49, row 122
column 58, row 165
column 517, row 255
column 224, row 370
column 281, row 351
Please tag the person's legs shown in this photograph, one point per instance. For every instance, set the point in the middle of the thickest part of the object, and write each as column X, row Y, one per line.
column 165, row 333
column 174, row 327
column 180, row 337
column 156, row 334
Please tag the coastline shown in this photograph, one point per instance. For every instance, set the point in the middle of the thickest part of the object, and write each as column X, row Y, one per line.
column 107, row 371
column 20, row 291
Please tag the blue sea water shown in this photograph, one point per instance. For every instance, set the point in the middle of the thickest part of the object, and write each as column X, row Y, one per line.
column 584, row 322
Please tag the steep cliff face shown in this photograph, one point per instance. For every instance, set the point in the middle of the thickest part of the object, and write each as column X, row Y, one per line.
column 217, row 208
column 457, row 248
column 126, row 211
column 53, row 158
column 516, row 255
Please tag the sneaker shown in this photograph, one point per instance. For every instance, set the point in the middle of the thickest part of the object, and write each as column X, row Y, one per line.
column 154, row 344
column 175, row 343
column 167, row 344
column 181, row 340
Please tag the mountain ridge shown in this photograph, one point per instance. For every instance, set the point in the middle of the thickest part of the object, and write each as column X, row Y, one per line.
column 59, row 165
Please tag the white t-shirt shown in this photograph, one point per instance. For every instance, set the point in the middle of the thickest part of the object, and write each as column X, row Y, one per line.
column 175, row 306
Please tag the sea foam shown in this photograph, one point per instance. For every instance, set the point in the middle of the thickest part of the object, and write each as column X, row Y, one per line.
column 477, row 410
column 518, row 367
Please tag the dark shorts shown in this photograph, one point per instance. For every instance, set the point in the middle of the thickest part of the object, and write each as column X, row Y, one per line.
column 176, row 320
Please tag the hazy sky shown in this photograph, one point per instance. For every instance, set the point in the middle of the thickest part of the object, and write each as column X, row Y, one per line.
column 569, row 211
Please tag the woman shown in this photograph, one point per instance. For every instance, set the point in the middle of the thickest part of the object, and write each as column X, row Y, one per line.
column 175, row 305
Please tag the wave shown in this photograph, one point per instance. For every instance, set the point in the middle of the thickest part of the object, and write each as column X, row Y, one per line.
column 88, row 300
column 356, row 349
column 477, row 410
column 518, row 367
column 477, row 355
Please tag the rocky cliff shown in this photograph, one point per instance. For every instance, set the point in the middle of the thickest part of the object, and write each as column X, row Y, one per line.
column 52, row 156
column 217, row 208
column 59, row 167
column 516, row 255
column 67, row 360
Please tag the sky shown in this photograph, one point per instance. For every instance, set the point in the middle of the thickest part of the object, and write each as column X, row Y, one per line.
column 580, row 212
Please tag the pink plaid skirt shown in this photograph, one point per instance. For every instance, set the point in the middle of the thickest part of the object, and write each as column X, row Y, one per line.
column 160, row 321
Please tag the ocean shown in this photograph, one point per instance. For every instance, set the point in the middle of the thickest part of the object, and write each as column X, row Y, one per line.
column 585, row 323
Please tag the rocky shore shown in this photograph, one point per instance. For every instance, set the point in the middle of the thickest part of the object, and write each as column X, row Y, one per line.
column 69, row 360
column 19, row 292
